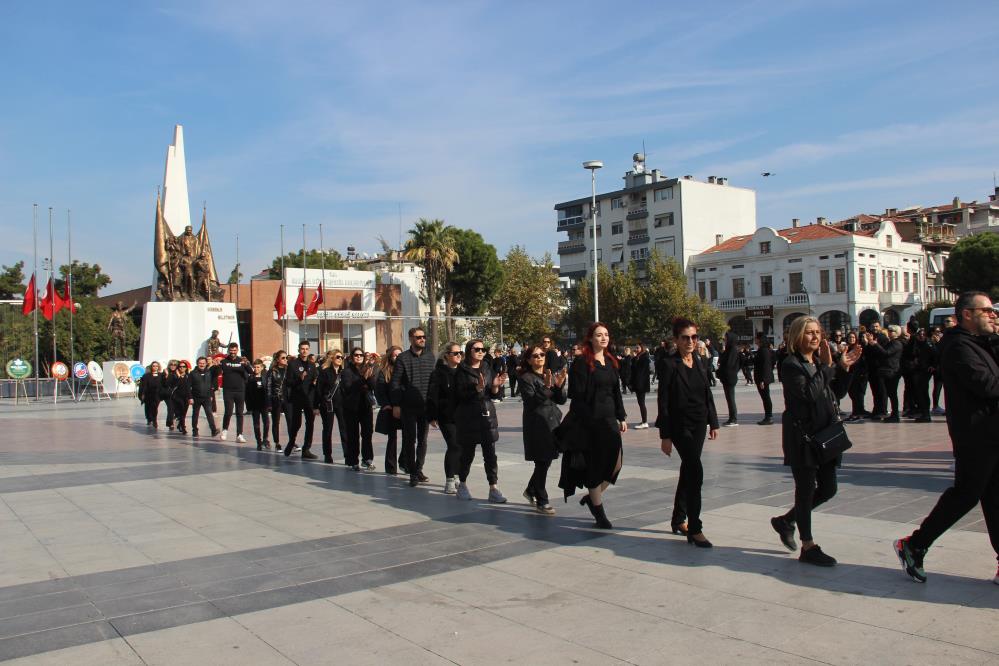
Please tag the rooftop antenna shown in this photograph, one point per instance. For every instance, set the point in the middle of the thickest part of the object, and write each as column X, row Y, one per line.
column 399, row 205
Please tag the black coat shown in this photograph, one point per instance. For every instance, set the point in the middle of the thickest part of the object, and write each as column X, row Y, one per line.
column 809, row 406
column 729, row 362
column 301, row 382
column 888, row 355
column 328, row 393
column 151, row 387
column 673, row 392
column 474, row 414
column 180, row 391
column 541, row 416
column 624, row 369
column 385, row 423
column 411, row 379
column 763, row 365
column 277, row 384
column 441, row 398
column 258, row 392
column 204, row 383
column 355, row 389
column 641, row 371
column 971, row 388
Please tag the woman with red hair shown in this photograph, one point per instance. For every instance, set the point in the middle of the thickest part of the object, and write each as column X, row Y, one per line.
column 593, row 460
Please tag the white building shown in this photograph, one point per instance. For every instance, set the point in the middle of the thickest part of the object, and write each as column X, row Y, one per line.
column 676, row 217
column 764, row 280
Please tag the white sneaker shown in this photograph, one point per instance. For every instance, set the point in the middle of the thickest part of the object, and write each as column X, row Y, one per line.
column 240, row 439
column 449, row 488
column 642, row 426
column 222, row 436
column 462, row 492
column 939, row 411
column 496, row 497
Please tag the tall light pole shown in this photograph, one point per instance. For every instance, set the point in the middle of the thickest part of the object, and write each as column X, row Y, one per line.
column 593, row 165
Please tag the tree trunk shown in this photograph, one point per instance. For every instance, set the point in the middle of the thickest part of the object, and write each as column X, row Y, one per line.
column 432, row 298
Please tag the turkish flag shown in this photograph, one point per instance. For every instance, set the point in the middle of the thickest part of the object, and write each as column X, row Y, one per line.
column 51, row 303
column 317, row 300
column 30, row 297
column 279, row 307
column 67, row 299
column 300, row 303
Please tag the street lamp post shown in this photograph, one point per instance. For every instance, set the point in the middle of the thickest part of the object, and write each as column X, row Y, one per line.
column 593, row 165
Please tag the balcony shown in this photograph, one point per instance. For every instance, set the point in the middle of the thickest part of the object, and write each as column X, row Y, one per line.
column 791, row 299
column 637, row 214
column 638, row 237
column 890, row 298
column 730, row 304
column 567, row 223
column 571, row 247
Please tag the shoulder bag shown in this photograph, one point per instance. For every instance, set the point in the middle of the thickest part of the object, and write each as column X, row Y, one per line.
column 829, row 443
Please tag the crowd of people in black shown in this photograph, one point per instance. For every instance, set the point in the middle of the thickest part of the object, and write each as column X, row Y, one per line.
column 411, row 391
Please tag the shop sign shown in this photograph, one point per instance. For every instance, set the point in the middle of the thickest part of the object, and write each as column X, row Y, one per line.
column 760, row 311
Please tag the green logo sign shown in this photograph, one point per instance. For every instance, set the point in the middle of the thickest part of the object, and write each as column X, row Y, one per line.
column 18, row 368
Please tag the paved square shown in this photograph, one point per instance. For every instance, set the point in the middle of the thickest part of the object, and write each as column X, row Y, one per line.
column 121, row 547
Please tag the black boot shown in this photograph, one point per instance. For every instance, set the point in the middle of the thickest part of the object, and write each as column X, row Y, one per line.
column 598, row 513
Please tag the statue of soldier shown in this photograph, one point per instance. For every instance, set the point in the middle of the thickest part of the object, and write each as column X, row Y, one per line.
column 116, row 325
column 188, row 244
column 203, row 278
column 213, row 345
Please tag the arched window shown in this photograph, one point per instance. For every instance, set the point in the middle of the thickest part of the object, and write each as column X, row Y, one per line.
column 835, row 320
column 868, row 317
column 743, row 328
column 790, row 318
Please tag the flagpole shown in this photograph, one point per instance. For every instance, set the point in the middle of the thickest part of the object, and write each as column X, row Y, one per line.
column 242, row 351
column 55, row 388
column 34, row 274
column 322, row 285
column 301, row 324
column 284, row 296
column 69, row 282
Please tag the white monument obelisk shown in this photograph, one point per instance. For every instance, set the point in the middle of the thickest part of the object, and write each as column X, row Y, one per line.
column 179, row 330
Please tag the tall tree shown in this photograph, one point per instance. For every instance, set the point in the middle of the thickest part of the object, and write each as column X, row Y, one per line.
column 87, row 279
column 12, row 281
column 470, row 283
column 529, row 297
column 973, row 265
column 235, row 275
column 313, row 259
column 431, row 245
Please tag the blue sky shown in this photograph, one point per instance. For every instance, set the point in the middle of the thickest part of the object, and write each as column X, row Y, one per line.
column 478, row 113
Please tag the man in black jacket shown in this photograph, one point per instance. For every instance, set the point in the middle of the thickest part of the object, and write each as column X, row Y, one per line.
column 204, row 379
column 763, row 374
column 641, row 381
column 410, row 384
column 728, row 375
column 235, row 371
column 301, row 386
column 971, row 388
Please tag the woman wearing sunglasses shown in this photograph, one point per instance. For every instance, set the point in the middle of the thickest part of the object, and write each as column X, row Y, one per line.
column 279, row 397
column 331, row 400
column 385, row 422
column 686, row 414
column 441, row 406
column 150, row 393
column 541, row 392
column 357, row 387
column 169, row 385
column 180, row 396
column 475, row 418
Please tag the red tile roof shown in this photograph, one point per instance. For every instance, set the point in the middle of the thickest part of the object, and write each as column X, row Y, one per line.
column 807, row 232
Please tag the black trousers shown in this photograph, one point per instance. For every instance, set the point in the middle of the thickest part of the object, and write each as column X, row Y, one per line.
column 356, row 440
column 687, row 502
column 878, row 394
column 206, row 404
column 171, row 415
column 392, row 452
column 261, row 417
column 152, row 409
column 536, row 486
column 640, row 396
column 414, row 438
column 279, row 408
column 858, row 391
column 488, row 460
column 301, row 410
column 937, row 387
column 976, row 479
column 812, row 487
column 908, row 390
column 452, row 455
column 513, row 384
column 747, row 373
column 890, row 392
column 921, row 393
column 768, row 403
column 233, row 400
column 329, row 418
column 733, row 412
column 179, row 413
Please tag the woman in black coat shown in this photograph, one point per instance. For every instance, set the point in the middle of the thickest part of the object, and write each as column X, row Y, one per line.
column 151, row 393
column 330, row 397
column 180, row 396
column 475, row 421
column 888, row 355
column 812, row 385
column 686, row 415
column 385, row 422
column 594, row 455
column 357, row 387
column 640, row 380
column 169, row 384
column 441, row 405
column 541, row 392
column 258, row 403
column 728, row 374
column 858, row 380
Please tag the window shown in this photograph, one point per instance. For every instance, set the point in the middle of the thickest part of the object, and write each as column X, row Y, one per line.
column 640, row 253
column 862, row 279
column 617, row 228
column 617, row 202
column 765, row 247
column 738, row 265
column 794, row 261
column 874, row 280
column 664, row 194
column 915, row 282
column 823, row 256
column 766, row 285
column 738, row 288
column 895, row 283
column 701, row 291
column 824, row 281
column 664, row 220
column 589, row 231
column 713, row 287
column 888, row 240
column 666, row 247
column 905, row 281
column 600, row 255
column 353, row 335
column 840, row 280
column 576, row 234
column 795, row 283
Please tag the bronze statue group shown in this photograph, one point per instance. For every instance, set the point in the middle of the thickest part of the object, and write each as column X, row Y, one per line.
column 410, row 391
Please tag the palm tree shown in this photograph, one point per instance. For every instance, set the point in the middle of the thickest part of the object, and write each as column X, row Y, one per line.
column 431, row 245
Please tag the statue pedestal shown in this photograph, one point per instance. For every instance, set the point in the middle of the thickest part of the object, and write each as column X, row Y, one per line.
column 180, row 330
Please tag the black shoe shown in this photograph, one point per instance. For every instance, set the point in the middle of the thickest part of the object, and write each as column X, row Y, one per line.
column 356, row 468
column 679, row 528
column 529, row 496
column 598, row 513
column 403, row 469
column 328, row 460
column 766, row 421
column 911, row 559
column 702, row 543
column 414, row 480
column 814, row 555
column 260, row 447
column 785, row 530
column 309, row 455
column 194, row 434
column 288, row 449
column 891, row 419
column 923, row 419
column 422, row 477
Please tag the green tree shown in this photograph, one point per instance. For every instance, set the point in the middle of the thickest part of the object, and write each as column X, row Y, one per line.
column 235, row 275
column 923, row 316
column 529, row 297
column 470, row 283
column 431, row 245
column 974, row 265
column 12, row 282
column 313, row 259
column 87, row 279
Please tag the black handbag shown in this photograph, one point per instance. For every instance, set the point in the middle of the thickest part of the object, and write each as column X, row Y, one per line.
column 828, row 443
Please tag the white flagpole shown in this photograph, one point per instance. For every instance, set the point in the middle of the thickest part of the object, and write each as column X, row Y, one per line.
column 284, row 296
column 34, row 274
column 55, row 387
column 69, row 281
column 322, row 281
